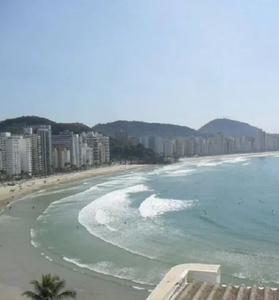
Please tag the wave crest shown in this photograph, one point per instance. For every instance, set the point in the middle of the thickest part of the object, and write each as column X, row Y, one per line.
column 154, row 206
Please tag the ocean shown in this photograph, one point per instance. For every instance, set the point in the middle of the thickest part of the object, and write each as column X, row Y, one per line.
column 128, row 229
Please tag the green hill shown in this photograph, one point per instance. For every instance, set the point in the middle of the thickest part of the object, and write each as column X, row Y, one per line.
column 138, row 129
column 15, row 125
column 229, row 128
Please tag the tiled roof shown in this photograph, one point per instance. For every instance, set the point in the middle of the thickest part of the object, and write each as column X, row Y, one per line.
column 204, row 291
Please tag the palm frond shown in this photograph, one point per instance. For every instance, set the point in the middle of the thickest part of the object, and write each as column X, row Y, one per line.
column 37, row 287
column 32, row 295
column 67, row 294
column 59, row 285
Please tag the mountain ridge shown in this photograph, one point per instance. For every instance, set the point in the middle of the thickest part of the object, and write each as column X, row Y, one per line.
column 140, row 128
column 228, row 127
column 225, row 126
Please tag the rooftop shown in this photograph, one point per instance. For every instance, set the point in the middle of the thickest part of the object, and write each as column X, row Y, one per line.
column 203, row 282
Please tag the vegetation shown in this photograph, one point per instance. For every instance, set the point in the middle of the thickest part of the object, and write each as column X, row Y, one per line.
column 229, row 128
column 138, row 129
column 49, row 289
column 133, row 153
column 15, row 125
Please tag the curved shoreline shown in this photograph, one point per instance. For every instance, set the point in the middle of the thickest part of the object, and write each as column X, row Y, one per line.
column 24, row 188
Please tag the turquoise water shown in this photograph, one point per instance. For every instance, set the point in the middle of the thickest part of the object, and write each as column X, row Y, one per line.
column 133, row 227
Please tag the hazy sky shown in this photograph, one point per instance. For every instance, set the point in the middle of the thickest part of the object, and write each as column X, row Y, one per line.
column 183, row 62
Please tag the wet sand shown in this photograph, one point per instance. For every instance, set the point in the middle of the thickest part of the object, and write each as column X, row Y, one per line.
column 24, row 188
column 20, row 262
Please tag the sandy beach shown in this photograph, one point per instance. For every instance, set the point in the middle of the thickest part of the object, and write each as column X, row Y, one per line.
column 13, row 263
column 21, row 189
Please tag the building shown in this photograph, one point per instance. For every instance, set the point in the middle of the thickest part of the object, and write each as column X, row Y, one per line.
column 122, row 137
column 1, row 163
column 202, row 281
column 168, row 148
column 25, row 148
column 36, row 150
column 144, row 140
column 67, row 139
column 45, row 134
column 61, row 158
column 12, row 155
column 97, row 142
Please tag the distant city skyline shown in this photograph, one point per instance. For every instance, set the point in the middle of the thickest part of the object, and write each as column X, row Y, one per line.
column 182, row 62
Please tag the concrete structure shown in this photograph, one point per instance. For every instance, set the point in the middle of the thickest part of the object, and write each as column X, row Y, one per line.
column 12, row 151
column 3, row 136
column 45, row 134
column 1, row 162
column 203, row 282
column 167, row 148
column 25, row 146
column 97, row 142
column 36, row 154
column 61, row 158
column 144, row 140
column 70, row 141
column 122, row 137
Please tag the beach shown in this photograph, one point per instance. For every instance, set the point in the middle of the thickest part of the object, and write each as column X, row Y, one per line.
column 23, row 188
column 20, row 262
column 115, row 236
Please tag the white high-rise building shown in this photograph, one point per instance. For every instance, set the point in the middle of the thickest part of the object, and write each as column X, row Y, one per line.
column 144, row 140
column 12, row 149
column 25, row 147
column 93, row 141
column 1, row 162
column 168, row 148
column 3, row 136
column 70, row 141
column 61, row 158
column 44, row 132
column 36, row 150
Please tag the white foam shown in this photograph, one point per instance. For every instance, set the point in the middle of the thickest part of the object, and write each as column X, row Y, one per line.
column 6, row 219
column 44, row 192
column 33, row 233
column 108, row 268
column 48, row 258
column 181, row 172
column 246, row 164
column 34, row 244
column 239, row 275
column 138, row 288
column 154, row 206
column 111, row 209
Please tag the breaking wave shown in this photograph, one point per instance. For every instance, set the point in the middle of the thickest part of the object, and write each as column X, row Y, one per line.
column 109, row 269
column 154, row 206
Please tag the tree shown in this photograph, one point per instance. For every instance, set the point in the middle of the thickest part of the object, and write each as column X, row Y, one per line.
column 49, row 289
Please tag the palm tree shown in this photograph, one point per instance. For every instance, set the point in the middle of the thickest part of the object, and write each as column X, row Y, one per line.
column 49, row 289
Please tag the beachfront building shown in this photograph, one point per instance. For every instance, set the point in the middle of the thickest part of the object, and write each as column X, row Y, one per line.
column 3, row 136
column 203, row 281
column 61, row 158
column 12, row 150
column 67, row 139
column 36, row 150
column 168, row 149
column 104, row 150
column 45, row 133
column 122, row 137
column 1, row 163
column 97, row 142
column 144, row 140
column 25, row 147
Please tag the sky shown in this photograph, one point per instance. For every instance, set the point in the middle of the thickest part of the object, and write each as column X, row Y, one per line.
column 182, row 62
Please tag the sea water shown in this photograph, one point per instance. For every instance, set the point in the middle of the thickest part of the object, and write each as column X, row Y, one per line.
column 131, row 228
